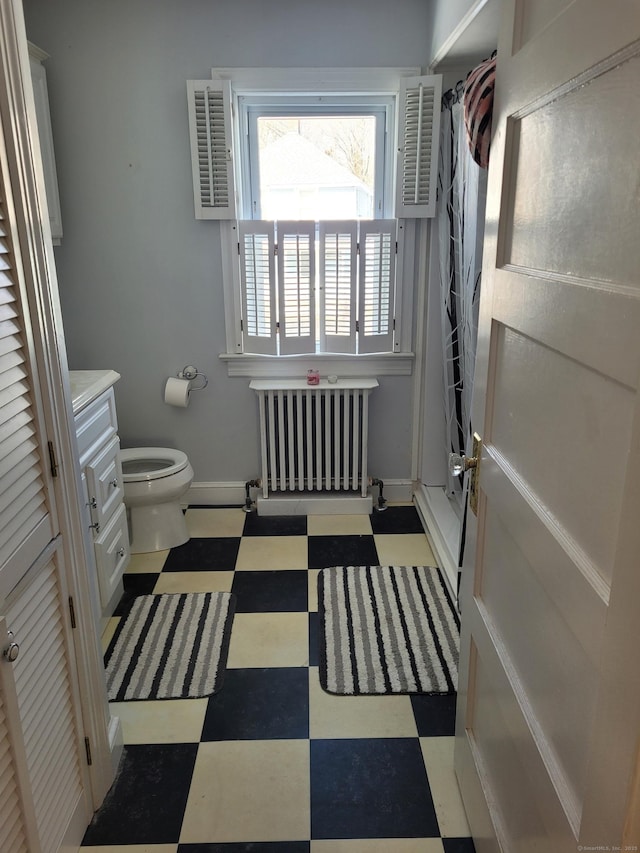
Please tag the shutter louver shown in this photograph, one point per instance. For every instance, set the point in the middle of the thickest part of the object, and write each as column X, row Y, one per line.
column 338, row 262
column 376, row 285
column 296, row 286
column 211, row 148
column 257, row 281
column 418, row 136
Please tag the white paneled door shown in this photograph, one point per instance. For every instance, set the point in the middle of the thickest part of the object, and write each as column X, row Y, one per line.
column 549, row 706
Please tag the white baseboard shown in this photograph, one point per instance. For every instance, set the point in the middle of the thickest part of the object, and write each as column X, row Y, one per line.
column 218, row 494
column 443, row 531
column 234, row 493
column 307, row 503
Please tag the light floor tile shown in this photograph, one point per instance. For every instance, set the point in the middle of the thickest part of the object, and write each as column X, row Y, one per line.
column 313, row 589
column 169, row 582
column 404, row 549
column 156, row 721
column 152, row 561
column 269, row 639
column 272, row 552
column 338, row 525
column 249, row 791
column 438, row 760
column 132, row 848
column 357, row 716
column 202, row 523
column 378, row 845
column 108, row 632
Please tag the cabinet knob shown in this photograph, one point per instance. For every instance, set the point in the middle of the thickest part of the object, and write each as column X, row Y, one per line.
column 114, row 483
column 93, row 503
column 121, row 553
column 12, row 651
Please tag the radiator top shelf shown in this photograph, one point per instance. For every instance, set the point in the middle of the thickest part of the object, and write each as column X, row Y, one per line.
column 355, row 384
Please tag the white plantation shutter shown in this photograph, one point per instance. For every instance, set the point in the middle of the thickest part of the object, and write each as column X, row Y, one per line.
column 418, row 136
column 296, row 287
column 25, row 520
column 257, row 281
column 376, row 285
column 338, row 286
column 211, row 148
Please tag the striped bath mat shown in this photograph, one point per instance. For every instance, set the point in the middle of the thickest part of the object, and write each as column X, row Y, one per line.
column 170, row 647
column 387, row 629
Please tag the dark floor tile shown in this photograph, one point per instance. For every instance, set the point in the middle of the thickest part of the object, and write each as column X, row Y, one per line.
column 271, row 592
column 314, row 651
column 435, row 716
column 458, row 845
column 213, row 554
column 248, row 847
column 134, row 585
column 370, row 788
column 397, row 519
column 325, row 551
column 146, row 803
column 259, row 704
column 274, row 525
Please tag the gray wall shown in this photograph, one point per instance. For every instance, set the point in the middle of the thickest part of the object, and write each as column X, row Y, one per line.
column 139, row 276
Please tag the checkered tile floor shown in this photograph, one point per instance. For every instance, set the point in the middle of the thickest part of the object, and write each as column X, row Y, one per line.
column 272, row 764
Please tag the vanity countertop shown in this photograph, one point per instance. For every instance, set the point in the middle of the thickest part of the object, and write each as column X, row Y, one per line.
column 86, row 385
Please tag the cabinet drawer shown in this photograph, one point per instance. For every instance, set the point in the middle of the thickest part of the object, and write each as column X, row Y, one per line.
column 96, row 424
column 104, row 481
column 112, row 554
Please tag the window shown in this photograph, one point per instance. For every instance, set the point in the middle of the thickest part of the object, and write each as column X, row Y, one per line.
column 307, row 168
column 316, row 158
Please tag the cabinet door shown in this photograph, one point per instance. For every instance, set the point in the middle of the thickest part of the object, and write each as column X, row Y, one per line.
column 26, row 497
column 43, row 674
column 104, row 482
column 112, row 554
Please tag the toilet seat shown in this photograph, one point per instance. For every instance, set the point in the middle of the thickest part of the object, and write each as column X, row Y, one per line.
column 141, row 464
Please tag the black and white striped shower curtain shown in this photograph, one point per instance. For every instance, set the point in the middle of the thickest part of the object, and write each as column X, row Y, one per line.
column 460, row 230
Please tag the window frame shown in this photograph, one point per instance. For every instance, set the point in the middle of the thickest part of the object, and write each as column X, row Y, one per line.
column 412, row 232
column 252, row 107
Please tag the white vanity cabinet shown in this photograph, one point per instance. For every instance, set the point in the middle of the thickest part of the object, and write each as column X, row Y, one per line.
column 103, row 491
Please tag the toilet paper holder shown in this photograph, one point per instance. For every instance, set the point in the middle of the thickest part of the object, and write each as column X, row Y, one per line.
column 190, row 372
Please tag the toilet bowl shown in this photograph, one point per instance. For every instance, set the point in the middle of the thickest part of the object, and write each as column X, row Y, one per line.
column 155, row 480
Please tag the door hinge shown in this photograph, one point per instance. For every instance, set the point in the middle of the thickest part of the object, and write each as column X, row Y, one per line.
column 87, row 747
column 53, row 464
column 72, row 612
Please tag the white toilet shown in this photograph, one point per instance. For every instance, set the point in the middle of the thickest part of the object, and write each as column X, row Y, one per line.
column 155, row 479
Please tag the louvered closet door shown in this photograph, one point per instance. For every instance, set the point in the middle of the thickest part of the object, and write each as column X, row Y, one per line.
column 40, row 749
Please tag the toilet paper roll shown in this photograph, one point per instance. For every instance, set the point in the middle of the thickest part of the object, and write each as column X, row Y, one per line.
column 177, row 391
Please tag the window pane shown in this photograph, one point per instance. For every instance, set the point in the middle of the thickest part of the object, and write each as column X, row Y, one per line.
column 317, row 168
